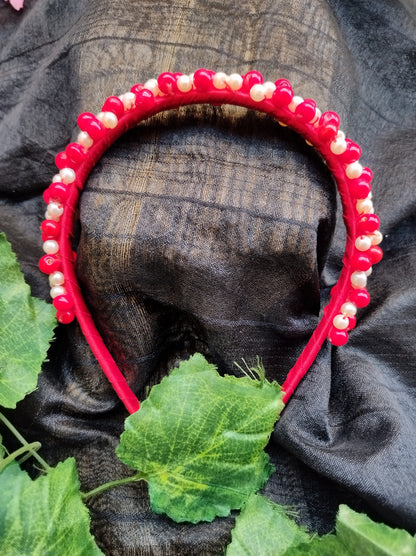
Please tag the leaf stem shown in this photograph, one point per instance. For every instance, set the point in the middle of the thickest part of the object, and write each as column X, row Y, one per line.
column 112, row 484
column 25, row 443
column 31, row 448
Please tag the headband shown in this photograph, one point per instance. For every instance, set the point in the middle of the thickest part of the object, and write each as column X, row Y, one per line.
column 171, row 90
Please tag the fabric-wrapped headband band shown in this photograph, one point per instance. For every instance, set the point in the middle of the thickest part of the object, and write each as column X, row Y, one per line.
column 171, row 90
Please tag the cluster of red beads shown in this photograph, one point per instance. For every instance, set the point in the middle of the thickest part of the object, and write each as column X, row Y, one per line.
column 170, row 90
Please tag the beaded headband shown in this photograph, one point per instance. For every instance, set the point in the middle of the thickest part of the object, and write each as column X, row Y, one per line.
column 171, row 90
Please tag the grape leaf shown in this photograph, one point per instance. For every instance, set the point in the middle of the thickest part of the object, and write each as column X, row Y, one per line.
column 26, row 329
column 199, row 440
column 264, row 528
column 44, row 517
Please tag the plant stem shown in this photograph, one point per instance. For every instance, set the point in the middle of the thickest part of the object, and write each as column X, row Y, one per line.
column 32, row 447
column 24, row 442
column 111, row 484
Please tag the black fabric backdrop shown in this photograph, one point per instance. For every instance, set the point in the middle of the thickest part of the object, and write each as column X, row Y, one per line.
column 213, row 229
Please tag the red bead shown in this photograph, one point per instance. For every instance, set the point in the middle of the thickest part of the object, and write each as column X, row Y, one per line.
column 367, row 224
column 167, row 82
column 351, row 154
column 114, row 105
column 65, row 317
column 49, row 264
column 361, row 261
column 283, row 94
column 56, row 192
column 375, row 254
column 328, row 126
column 63, row 302
column 51, row 228
column 366, row 174
column 360, row 297
column 359, row 188
column 352, row 321
column 306, row 110
column 62, row 161
column 89, row 123
column 251, row 78
column 76, row 153
column 338, row 337
column 145, row 99
column 203, row 79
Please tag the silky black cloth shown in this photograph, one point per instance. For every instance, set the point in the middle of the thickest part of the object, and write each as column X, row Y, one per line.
column 213, row 229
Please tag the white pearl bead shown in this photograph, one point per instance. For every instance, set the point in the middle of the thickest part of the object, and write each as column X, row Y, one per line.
column 184, row 83
column 67, row 175
column 269, row 89
column 363, row 243
column 50, row 246
column 294, row 103
column 354, row 170
column 348, row 309
column 340, row 135
column 108, row 119
column 364, row 206
column 258, row 92
column 338, row 146
column 84, row 140
column 56, row 279
column 341, row 322
column 220, row 80
column 56, row 178
column 54, row 211
column 128, row 100
column 376, row 237
column 151, row 85
column 235, row 81
column 358, row 279
column 57, row 290
column 317, row 117
column 369, row 271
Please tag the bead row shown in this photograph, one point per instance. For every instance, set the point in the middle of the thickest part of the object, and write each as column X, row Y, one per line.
column 320, row 130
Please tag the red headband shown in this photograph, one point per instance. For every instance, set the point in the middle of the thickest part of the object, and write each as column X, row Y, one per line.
column 172, row 90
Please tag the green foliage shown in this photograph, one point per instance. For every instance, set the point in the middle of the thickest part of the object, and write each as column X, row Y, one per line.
column 44, row 517
column 26, row 329
column 199, row 440
column 263, row 528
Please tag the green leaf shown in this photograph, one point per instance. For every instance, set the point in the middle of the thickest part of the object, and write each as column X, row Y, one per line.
column 365, row 537
column 329, row 545
column 44, row 517
column 26, row 329
column 264, row 528
column 199, row 440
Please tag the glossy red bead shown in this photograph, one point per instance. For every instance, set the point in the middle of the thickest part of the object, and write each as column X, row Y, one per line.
column 62, row 161
column 63, row 302
column 283, row 94
column 361, row 261
column 76, row 153
column 352, row 321
column 328, row 125
column 167, row 82
column 49, row 264
column 360, row 297
column 367, row 224
column 114, row 105
column 65, row 317
column 51, row 228
column 89, row 123
column 203, row 79
column 351, row 154
column 145, row 99
column 57, row 191
column 306, row 110
column 359, row 188
column 251, row 78
column 375, row 253
column 338, row 337
column 366, row 174
column 84, row 118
